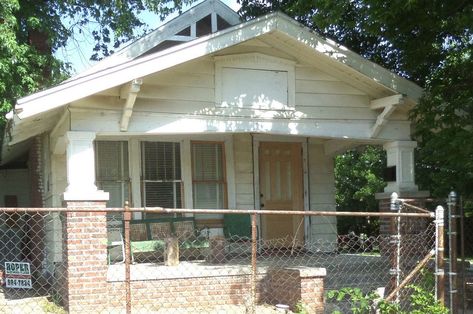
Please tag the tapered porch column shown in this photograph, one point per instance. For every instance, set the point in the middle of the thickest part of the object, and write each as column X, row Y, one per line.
column 400, row 154
column 84, row 230
column 81, row 168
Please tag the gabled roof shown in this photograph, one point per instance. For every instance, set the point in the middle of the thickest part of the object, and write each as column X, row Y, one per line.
column 83, row 86
column 281, row 30
column 186, row 27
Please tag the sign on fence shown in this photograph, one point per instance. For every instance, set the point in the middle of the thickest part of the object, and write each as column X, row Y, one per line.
column 18, row 275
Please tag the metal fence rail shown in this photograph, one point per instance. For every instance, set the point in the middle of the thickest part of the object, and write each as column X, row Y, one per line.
column 101, row 260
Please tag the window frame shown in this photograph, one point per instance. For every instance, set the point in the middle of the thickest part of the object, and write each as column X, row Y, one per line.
column 223, row 181
column 174, row 181
column 125, row 163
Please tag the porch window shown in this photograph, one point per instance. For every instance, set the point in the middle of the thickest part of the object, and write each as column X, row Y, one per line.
column 161, row 174
column 208, row 175
column 111, row 171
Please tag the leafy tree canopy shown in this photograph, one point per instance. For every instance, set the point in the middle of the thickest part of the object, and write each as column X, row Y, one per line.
column 358, row 176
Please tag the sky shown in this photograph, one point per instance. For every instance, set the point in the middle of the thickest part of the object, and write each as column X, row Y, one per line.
column 79, row 47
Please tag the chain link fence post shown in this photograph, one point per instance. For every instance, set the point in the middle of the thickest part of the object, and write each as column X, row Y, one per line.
column 452, row 246
column 440, row 249
column 395, row 241
column 126, row 229
column 253, row 263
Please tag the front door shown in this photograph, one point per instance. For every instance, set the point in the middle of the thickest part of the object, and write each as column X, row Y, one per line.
column 281, row 188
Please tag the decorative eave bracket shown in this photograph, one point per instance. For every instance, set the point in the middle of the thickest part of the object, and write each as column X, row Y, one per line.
column 129, row 92
column 388, row 104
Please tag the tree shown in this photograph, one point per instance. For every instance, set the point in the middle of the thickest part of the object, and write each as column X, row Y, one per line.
column 358, row 176
column 429, row 42
column 32, row 31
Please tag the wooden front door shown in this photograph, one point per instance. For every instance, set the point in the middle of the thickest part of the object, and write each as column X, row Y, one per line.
column 281, row 188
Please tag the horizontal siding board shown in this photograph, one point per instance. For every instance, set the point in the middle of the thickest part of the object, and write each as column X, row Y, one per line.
column 322, row 112
column 323, row 207
column 326, row 87
column 311, row 73
column 311, row 99
column 325, row 198
column 177, row 92
column 174, row 78
column 323, row 189
column 244, row 188
column 200, row 66
column 171, row 106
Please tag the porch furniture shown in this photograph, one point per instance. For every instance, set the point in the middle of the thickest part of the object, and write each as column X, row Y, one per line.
column 115, row 243
column 148, row 237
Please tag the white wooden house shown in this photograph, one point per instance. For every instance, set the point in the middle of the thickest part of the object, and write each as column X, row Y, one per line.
column 211, row 112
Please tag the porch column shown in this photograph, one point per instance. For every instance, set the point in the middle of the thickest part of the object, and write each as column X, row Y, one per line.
column 81, row 168
column 400, row 154
column 84, row 233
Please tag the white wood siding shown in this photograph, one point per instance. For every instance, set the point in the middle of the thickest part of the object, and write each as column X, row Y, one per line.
column 182, row 99
column 243, row 157
column 323, row 230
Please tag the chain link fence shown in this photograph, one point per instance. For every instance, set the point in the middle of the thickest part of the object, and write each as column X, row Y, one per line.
column 102, row 261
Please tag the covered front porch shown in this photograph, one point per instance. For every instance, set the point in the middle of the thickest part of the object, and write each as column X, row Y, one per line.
column 236, row 171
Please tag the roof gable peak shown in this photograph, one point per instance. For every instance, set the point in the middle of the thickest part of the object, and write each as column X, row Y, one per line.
column 203, row 19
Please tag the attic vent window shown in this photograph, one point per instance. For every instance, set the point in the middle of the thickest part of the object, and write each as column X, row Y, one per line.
column 255, row 81
column 204, row 26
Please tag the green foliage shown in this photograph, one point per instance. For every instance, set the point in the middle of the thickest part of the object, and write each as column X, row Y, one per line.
column 421, row 302
column 362, row 303
column 445, row 127
column 300, row 308
column 424, row 302
column 358, row 176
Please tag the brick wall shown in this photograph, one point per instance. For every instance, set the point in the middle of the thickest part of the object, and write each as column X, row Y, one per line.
column 85, row 289
column 84, row 267
column 34, row 243
column 297, row 285
column 408, row 225
column 283, row 286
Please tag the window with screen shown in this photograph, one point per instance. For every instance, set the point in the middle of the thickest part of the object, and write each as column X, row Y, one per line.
column 161, row 174
column 111, row 171
column 208, row 175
